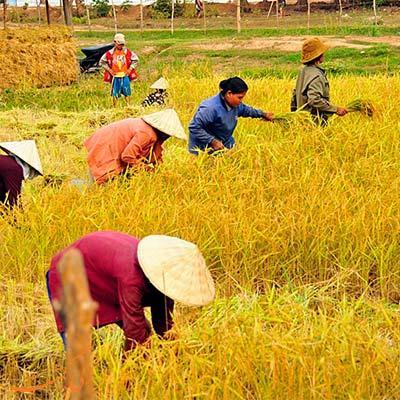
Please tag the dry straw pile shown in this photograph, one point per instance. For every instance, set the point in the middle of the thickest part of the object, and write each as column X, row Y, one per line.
column 37, row 57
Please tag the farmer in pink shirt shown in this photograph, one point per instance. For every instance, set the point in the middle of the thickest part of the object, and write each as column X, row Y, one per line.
column 126, row 274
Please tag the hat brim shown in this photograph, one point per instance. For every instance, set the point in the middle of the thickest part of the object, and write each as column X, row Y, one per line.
column 316, row 54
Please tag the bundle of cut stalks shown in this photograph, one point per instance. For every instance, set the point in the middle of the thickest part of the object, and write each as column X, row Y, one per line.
column 363, row 106
column 38, row 57
column 288, row 118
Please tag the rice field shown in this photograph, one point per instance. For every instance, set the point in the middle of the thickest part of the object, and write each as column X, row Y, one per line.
column 300, row 227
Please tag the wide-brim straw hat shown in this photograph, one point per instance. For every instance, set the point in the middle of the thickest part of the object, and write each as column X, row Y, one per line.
column 160, row 84
column 166, row 121
column 177, row 269
column 26, row 150
column 312, row 48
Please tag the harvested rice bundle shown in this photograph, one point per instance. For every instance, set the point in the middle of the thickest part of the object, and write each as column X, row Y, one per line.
column 41, row 57
column 288, row 118
column 366, row 107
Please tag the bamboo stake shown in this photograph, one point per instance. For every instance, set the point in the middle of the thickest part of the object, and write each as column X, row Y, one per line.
column 79, row 310
column 88, row 18
column 38, row 11
column 4, row 13
column 141, row 16
column 277, row 13
column 204, row 18
column 375, row 13
column 172, row 16
column 340, row 9
column 308, row 14
column 114, row 16
column 238, row 17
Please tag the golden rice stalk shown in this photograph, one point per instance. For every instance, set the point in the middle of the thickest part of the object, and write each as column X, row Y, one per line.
column 366, row 107
column 288, row 118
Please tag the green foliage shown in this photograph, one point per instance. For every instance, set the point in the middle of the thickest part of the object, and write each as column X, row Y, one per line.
column 101, row 8
column 164, row 7
column 125, row 5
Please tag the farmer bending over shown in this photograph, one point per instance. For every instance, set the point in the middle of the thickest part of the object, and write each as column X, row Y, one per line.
column 119, row 64
column 131, row 144
column 212, row 126
column 22, row 162
column 126, row 274
column 312, row 86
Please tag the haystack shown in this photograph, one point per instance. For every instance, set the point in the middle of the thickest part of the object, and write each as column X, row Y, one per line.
column 37, row 57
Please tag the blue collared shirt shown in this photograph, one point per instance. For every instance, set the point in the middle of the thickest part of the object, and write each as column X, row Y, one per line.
column 214, row 119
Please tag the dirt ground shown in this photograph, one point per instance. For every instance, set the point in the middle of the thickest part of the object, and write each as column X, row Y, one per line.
column 293, row 43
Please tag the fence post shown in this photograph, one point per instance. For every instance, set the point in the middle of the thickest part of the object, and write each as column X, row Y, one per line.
column 79, row 309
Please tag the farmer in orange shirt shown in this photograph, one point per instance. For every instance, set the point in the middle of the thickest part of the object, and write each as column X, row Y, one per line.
column 133, row 143
column 119, row 64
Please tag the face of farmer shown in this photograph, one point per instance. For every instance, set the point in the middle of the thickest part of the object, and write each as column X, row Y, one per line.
column 119, row 46
column 234, row 99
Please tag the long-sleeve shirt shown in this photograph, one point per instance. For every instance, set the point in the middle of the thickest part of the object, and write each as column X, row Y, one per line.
column 214, row 119
column 119, row 286
column 132, row 63
column 312, row 92
column 127, row 143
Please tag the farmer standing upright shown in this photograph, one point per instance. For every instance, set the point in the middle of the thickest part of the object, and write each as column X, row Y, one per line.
column 126, row 274
column 312, row 87
column 119, row 64
column 22, row 162
column 131, row 144
column 212, row 127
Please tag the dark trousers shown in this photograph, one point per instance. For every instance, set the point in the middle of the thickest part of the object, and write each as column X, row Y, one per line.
column 11, row 177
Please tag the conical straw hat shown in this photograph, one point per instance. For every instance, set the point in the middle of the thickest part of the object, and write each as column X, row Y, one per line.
column 160, row 84
column 166, row 121
column 26, row 150
column 177, row 269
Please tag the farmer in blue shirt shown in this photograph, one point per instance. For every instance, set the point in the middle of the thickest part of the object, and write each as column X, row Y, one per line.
column 212, row 127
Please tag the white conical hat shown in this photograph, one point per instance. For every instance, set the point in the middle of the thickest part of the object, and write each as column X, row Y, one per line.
column 166, row 121
column 160, row 84
column 26, row 150
column 177, row 269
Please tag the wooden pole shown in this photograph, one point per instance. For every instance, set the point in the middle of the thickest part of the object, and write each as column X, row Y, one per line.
column 172, row 16
column 270, row 8
column 277, row 13
column 88, row 18
column 141, row 16
column 308, row 14
column 340, row 9
column 204, row 18
column 115, row 16
column 38, row 11
column 238, row 17
column 79, row 310
column 47, row 11
column 67, row 12
column 375, row 13
column 4, row 13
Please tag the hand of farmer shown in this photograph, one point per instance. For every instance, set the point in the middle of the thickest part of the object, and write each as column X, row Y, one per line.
column 111, row 72
column 341, row 111
column 268, row 116
column 217, row 145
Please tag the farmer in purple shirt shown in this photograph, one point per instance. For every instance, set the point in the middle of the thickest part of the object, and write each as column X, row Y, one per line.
column 126, row 274
column 212, row 127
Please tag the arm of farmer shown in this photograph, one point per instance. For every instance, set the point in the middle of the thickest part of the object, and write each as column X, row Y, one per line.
column 204, row 117
column 138, row 149
column 134, row 62
column 161, row 315
column 316, row 100
column 293, row 102
column 104, row 63
column 135, row 325
column 250, row 112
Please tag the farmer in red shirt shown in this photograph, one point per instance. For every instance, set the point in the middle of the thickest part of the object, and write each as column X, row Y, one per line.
column 126, row 274
column 119, row 64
